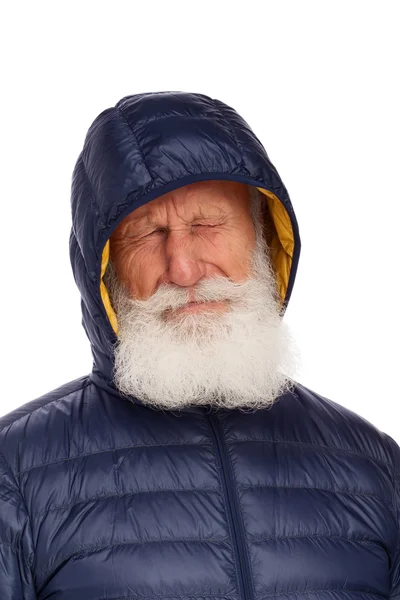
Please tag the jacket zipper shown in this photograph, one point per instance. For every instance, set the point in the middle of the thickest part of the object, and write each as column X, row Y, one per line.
column 232, row 503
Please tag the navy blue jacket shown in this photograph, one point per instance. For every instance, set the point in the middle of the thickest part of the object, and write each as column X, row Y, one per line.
column 105, row 498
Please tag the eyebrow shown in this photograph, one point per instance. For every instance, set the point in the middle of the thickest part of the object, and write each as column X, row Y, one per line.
column 146, row 222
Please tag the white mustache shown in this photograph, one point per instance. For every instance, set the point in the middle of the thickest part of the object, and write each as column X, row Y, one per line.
column 213, row 289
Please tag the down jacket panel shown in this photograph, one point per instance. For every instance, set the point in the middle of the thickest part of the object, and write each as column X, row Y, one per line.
column 105, row 498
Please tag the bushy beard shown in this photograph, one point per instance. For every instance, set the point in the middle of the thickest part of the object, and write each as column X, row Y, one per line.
column 243, row 358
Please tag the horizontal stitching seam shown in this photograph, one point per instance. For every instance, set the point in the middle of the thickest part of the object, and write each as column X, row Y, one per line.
column 314, row 487
column 84, row 550
column 107, row 497
column 339, row 449
column 330, row 589
column 315, row 535
column 114, row 449
column 334, row 448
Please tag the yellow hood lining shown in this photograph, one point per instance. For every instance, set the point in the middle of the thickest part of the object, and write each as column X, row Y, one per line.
column 280, row 239
column 103, row 290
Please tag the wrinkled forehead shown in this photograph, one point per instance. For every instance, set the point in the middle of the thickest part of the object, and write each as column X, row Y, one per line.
column 196, row 199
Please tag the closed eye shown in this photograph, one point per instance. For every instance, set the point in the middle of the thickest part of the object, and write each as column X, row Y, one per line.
column 163, row 230
column 155, row 231
column 204, row 225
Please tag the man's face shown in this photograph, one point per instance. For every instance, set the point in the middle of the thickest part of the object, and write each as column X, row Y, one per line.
column 187, row 235
column 195, row 295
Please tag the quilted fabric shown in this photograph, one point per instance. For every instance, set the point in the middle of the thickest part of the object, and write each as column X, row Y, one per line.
column 104, row 498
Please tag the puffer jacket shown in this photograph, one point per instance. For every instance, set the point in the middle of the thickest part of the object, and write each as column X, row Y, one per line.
column 105, row 498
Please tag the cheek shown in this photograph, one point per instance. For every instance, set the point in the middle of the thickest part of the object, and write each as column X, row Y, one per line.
column 231, row 252
column 137, row 268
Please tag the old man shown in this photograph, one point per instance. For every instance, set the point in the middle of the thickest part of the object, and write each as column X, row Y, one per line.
column 190, row 463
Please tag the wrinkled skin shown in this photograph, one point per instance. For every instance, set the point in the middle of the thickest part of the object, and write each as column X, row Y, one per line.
column 193, row 232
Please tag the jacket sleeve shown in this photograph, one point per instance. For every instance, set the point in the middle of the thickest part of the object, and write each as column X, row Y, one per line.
column 16, row 548
column 395, row 562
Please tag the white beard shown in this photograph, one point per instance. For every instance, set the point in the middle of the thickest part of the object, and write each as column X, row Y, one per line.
column 242, row 358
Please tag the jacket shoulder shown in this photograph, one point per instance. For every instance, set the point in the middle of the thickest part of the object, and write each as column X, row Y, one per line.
column 57, row 394
column 28, row 423
column 344, row 428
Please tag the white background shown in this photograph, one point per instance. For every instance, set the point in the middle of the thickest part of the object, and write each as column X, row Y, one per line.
column 319, row 84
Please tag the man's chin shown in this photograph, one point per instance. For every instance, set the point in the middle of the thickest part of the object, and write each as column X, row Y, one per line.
column 189, row 332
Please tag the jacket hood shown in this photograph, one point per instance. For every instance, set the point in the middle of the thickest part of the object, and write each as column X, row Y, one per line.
column 145, row 146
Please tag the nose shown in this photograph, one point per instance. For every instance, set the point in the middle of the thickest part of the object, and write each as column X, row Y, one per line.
column 184, row 268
